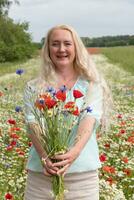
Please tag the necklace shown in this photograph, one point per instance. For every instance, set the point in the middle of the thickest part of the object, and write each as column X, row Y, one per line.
column 69, row 83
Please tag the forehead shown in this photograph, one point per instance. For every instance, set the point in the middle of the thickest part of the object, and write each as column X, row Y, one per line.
column 60, row 35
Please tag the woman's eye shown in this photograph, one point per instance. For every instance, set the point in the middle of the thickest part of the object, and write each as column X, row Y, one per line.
column 55, row 44
column 68, row 44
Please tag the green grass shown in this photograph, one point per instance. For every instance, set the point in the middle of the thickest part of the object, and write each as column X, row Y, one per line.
column 10, row 67
column 124, row 56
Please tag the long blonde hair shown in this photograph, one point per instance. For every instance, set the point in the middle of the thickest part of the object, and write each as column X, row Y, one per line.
column 83, row 64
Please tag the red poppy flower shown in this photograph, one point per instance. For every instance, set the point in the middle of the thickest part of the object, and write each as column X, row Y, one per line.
column 127, row 171
column 131, row 139
column 77, row 94
column 50, row 103
column 107, row 145
column 15, row 129
column 69, row 105
column 13, row 143
column 14, row 136
column 29, row 144
column 110, row 180
column 119, row 116
column 11, row 121
column 8, row 196
column 122, row 131
column 103, row 157
column 125, row 159
column 21, row 153
column 76, row 111
column 109, row 169
column 61, row 95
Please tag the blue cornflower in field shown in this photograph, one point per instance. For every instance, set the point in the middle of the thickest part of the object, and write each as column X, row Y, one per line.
column 19, row 71
column 89, row 109
column 18, row 109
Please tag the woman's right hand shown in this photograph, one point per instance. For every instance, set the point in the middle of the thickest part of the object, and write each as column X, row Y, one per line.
column 48, row 168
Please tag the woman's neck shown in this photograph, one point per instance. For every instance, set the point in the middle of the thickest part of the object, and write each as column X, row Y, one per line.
column 67, row 78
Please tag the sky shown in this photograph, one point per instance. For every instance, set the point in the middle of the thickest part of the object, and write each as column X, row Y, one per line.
column 90, row 18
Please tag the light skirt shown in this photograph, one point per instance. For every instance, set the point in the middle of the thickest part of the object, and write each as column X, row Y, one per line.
column 79, row 186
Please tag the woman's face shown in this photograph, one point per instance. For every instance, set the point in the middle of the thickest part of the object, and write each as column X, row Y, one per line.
column 61, row 48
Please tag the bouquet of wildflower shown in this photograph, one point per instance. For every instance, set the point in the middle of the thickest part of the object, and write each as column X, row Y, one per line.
column 56, row 118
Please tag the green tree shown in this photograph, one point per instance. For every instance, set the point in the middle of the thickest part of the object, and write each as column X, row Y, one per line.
column 5, row 5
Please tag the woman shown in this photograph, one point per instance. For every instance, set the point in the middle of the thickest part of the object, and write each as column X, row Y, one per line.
column 67, row 62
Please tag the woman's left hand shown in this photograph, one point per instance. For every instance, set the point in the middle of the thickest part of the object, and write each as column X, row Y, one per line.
column 65, row 160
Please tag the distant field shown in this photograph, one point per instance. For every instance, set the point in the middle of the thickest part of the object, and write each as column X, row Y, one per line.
column 9, row 67
column 124, row 56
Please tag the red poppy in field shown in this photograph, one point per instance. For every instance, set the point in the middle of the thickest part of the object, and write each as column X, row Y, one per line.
column 131, row 139
column 11, row 121
column 13, row 143
column 109, row 169
column 127, row 171
column 119, row 116
column 14, row 136
column 61, row 95
column 8, row 196
column 110, row 180
column 15, row 129
column 103, row 157
column 107, row 145
column 29, row 144
column 21, row 153
column 77, row 94
column 125, row 159
column 122, row 131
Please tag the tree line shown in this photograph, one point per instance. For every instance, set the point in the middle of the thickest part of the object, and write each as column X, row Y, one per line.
column 15, row 41
column 104, row 41
column 109, row 41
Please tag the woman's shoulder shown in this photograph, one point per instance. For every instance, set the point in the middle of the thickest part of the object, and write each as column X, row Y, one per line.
column 89, row 85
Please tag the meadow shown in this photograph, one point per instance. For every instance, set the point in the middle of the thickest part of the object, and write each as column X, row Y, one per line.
column 123, row 56
column 116, row 145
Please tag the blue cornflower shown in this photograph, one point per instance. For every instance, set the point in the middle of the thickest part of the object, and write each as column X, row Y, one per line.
column 63, row 88
column 42, row 101
column 89, row 109
column 51, row 90
column 18, row 109
column 19, row 71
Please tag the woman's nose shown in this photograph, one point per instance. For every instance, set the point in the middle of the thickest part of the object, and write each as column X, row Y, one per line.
column 61, row 47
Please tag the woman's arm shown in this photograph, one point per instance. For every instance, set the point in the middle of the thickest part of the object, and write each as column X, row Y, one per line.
column 83, row 135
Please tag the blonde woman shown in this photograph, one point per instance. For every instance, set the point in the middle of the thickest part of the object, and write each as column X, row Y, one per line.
column 65, row 61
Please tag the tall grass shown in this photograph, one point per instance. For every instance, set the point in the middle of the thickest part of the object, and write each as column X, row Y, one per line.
column 124, row 56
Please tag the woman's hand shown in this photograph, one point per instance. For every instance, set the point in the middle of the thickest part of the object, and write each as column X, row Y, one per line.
column 48, row 168
column 65, row 160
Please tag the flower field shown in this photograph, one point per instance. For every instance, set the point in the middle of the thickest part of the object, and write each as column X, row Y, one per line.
column 116, row 146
